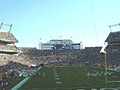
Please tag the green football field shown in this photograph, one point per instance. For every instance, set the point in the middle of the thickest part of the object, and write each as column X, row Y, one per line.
column 68, row 78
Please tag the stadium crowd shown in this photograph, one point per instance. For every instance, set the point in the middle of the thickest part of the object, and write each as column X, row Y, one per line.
column 12, row 72
column 18, row 65
column 7, row 36
column 61, row 57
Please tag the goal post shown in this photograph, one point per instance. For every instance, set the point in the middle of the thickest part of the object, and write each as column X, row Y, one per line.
column 106, row 71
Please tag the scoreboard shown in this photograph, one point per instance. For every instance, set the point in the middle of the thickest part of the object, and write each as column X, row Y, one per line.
column 61, row 44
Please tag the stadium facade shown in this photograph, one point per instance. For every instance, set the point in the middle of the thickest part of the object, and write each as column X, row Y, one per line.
column 60, row 44
column 113, row 48
column 8, row 50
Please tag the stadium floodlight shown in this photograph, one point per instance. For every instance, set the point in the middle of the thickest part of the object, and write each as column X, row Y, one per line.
column 1, row 25
column 10, row 25
column 110, row 26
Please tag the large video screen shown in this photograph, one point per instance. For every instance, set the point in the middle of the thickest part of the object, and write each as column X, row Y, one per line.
column 61, row 44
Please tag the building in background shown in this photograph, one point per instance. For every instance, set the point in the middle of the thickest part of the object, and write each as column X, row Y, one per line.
column 77, row 46
column 59, row 44
column 44, row 46
column 113, row 48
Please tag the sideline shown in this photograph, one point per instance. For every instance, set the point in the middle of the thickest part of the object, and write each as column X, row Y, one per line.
column 16, row 87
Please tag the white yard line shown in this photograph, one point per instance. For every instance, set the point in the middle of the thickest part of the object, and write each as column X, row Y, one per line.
column 56, row 76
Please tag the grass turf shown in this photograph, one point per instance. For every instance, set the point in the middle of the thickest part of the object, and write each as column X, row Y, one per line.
column 66, row 78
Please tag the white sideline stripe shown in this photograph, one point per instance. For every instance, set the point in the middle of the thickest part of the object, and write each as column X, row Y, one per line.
column 16, row 87
column 20, row 84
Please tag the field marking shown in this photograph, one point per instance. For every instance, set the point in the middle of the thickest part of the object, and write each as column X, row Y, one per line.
column 109, row 89
column 71, row 89
column 55, row 75
column 16, row 87
column 43, row 74
column 57, row 78
column 58, row 82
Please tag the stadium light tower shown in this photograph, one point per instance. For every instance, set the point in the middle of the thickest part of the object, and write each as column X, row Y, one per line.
column 110, row 26
column 1, row 25
column 10, row 25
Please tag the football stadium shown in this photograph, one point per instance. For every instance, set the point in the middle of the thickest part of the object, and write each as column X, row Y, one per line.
column 59, row 65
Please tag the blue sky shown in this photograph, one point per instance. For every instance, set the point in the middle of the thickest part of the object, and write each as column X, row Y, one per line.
column 79, row 20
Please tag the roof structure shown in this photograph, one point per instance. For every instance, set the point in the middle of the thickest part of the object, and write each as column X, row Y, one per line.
column 7, row 37
column 7, row 43
column 113, row 37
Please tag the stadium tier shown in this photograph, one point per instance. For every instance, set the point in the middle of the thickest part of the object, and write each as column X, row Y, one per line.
column 7, row 47
column 7, row 37
column 61, row 57
column 113, row 48
column 56, row 54
column 113, row 37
